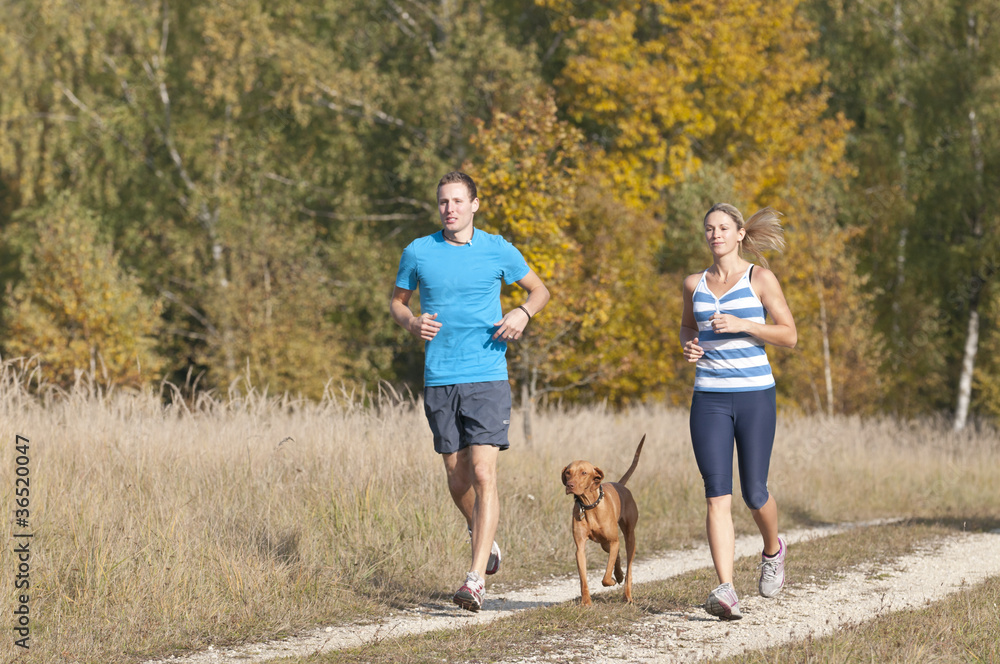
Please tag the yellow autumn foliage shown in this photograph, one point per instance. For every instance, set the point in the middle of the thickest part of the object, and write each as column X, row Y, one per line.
column 670, row 85
column 76, row 310
column 542, row 188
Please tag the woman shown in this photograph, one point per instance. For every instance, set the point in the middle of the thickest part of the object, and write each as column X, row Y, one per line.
column 723, row 330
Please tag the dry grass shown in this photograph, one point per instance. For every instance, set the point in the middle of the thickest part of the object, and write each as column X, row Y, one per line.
column 164, row 528
column 951, row 629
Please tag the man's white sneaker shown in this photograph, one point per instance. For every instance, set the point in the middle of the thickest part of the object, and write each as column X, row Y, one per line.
column 470, row 595
column 493, row 564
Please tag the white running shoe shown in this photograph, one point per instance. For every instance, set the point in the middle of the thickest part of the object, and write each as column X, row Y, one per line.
column 470, row 595
column 722, row 602
column 493, row 564
column 772, row 571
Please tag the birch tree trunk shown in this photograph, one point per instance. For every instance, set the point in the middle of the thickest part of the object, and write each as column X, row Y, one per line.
column 824, row 329
column 976, row 229
column 972, row 332
column 968, row 367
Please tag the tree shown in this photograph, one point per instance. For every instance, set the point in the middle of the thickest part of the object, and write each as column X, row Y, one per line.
column 76, row 309
column 699, row 102
column 542, row 189
column 919, row 80
column 668, row 85
column 248, row 159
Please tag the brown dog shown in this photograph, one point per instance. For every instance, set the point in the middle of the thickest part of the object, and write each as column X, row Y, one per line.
column 599, row 510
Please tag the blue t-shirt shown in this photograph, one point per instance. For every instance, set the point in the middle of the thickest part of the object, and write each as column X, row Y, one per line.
column 461, row 284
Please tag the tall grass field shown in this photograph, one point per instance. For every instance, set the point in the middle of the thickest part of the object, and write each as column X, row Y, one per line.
column 158, row 529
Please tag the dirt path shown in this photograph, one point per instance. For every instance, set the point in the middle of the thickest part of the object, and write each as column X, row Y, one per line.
column 680, row 637
column 798, row 612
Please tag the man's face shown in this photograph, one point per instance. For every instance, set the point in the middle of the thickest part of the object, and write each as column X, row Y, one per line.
column 455, row 208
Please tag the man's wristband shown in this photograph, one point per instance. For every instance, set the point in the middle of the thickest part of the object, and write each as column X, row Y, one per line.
column 525, row 311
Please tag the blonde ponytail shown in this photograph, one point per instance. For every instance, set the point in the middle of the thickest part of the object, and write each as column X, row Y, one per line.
column 763, row 230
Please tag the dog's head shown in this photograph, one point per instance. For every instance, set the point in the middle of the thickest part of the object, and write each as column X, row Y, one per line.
column 580, row 476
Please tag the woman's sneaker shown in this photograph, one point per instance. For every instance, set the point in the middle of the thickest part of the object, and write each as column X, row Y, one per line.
column 470, row 595
column 772, row 571
column 722, row 602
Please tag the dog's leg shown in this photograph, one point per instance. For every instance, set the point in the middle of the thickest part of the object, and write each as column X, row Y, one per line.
column 629, row 556
column 581, row 567
column 614, row 570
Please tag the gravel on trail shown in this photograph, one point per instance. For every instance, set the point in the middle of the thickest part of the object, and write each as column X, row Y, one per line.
column 690, row 636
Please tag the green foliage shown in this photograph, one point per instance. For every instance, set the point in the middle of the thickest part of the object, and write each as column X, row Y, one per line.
column 258, row 168
column 543, row 189
column 76, row 309
column 920, row 83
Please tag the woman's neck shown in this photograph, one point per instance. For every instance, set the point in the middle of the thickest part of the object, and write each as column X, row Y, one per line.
column 725, row 268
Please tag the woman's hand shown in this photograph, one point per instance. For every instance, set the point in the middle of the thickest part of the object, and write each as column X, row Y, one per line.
column 727, row 323
column 692, row 351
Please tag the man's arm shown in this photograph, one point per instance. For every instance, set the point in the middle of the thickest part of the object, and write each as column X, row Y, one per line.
column 511, row 326
column 423, row 326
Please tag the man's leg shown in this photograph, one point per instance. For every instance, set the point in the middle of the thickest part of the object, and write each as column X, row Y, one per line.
column 472, row 482
column 458, row 468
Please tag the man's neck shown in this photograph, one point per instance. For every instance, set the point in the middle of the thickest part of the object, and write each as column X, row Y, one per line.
column 460, row 238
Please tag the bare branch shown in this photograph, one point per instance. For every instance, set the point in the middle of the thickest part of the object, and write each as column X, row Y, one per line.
column 194, row 313
column 428, row 13
column 406, row 201
column 365, row 111
column 415, row 27
column 369, row 217
column 99, row 121
column 176, row 331
column 164, row 32
column 73, row 99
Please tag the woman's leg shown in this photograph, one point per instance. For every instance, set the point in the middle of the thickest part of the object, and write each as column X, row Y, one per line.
column 755, row 423
column 721, row 536
column 766, row 519
column 712, row 437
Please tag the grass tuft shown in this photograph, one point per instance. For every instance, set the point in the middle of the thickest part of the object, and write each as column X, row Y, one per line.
column 164, row 528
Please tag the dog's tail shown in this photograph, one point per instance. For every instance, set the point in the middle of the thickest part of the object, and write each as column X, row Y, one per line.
column 635, row 462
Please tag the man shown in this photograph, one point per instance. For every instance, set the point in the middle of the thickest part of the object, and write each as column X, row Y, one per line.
column 467, row 399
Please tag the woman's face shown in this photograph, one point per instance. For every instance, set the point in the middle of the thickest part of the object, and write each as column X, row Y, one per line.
column 721, row 233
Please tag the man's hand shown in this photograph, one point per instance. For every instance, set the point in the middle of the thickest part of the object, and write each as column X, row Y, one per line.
column 424, row 326
column 511, row 326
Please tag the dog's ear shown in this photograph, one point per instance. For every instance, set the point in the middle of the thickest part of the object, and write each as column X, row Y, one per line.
column 562, row 475
column 598, row 475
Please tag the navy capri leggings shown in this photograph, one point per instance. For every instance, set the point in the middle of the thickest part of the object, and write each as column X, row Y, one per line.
column 720, row 418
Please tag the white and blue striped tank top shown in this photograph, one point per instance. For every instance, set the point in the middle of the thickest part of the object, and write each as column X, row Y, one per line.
column 732, row 362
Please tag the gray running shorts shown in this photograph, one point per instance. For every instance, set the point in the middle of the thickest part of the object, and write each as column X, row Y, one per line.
column 468, row 414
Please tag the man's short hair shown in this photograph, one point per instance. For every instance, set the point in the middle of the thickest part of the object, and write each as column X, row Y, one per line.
column 458, row 176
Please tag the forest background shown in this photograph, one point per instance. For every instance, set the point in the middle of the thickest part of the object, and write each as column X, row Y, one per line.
column 204, row 193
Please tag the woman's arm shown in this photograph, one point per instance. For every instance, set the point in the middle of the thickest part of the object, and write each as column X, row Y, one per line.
column 689, row 326
column 782, row 332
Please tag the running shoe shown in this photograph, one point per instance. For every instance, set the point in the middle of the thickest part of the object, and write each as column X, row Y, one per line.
column 722, row 602
column 493, row 564
column 772, row 571
column 470, row 595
